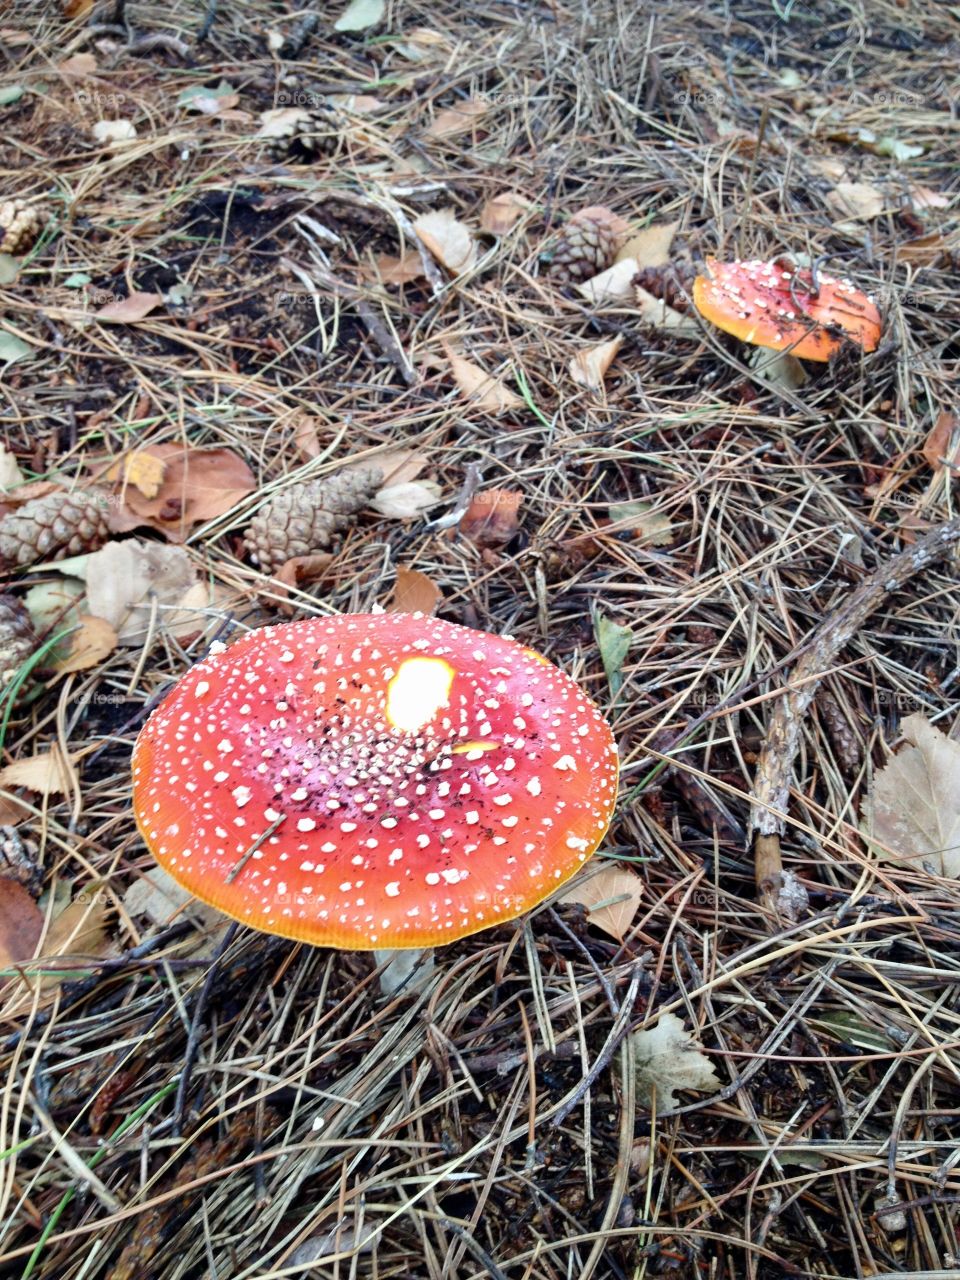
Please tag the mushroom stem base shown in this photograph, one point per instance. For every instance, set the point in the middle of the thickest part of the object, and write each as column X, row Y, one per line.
column 403, row 970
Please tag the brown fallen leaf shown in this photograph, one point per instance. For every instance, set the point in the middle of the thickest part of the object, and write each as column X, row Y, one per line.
column 492, row 517
column 924, row 198
column 12, row 811
column 501, row 213
column 137, row 306
column 942, row 446
column 588, row 368
column 391, row 270
column 21, row 924
column 453, row 120
column 300, row 571
column 651, row 246
column 306, row 436
column 856, row 201
column 447, row 240
column 926, row 251
column 414, row 592
column 140, row 468
column 912, row 811
column 94, row 640
column 47, row 773
column 80, row 928
column 612, row 896
column 481, row 388
column 197, row 485
column 81, row 64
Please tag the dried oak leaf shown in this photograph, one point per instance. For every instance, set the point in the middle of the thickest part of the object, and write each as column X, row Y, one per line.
column 912, row 811
column 669, row 1059
column 197, row 485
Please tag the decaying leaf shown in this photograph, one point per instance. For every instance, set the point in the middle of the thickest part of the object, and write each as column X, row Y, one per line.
column 670, row 1059
column 660, row 315
column 392, row 270
column 942, row 446
column 913, row 807
column 136, row 306
column 280, row 122
column 651, row 246
column 856, row 201
column 458, row 118
column 614, row 643
column 306, row 435
column 492, row 517
column 127, row 582
column 414, row 592
column 80, row 928
column 650, row 526
column 21, row 924
column 613, row 285
column 94, row 640
column 503, row 212
column 447, row 240
column 142, row 469
column 360, row 14
column 47, row 773
column 401, row 501
column 481, row 388
column 612, row 896
column 115, row 132
column 10, row 473
column 589, row 367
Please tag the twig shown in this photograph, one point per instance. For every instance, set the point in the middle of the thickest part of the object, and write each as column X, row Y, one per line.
column 771, row 787
column 196, row 1027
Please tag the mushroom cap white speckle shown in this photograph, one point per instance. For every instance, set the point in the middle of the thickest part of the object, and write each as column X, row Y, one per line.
column 388, row 797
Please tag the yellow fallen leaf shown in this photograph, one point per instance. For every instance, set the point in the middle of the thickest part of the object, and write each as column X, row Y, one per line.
column 500, row 213
column 94, row 640
column 612, row 896
column 481, row 388
column 589, row 367
column 447, row 240
column 142, row 469
column 48, row 773
column 651, row 246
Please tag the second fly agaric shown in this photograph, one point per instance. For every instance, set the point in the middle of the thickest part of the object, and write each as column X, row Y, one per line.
column 374, row 781
column 775, row 305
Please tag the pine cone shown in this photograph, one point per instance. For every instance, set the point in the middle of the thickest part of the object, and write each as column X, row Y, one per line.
column 304, row 518
column 49, row 528
column 20, row 224
column 586, row 245
column 314, row 133
column 17, row 641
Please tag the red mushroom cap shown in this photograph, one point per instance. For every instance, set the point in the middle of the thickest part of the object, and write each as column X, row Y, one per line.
column 774, row 305
column 374, row 781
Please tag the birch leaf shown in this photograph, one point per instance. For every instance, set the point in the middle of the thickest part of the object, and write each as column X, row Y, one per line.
column 589, row 367
column 481, row 388
column 611, row 895
column 447, row 240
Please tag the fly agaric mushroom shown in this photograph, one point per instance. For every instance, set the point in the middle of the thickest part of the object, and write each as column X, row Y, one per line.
column 374, row 781
column 777, row 305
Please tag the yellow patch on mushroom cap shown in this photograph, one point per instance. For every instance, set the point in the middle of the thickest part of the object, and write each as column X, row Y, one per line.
column 417, row 692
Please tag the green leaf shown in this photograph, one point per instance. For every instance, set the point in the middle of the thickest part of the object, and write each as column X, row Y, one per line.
column 11, row 93
column 13, row 348
column 77, row 280
column 847, row 1026
column 359, row 15
column 614, row 642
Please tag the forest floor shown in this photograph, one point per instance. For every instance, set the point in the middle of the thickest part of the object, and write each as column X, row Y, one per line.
column 206, row 319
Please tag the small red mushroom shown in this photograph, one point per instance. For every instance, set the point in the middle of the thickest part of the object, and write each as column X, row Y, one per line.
column 374, row 781
column 775, row 305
